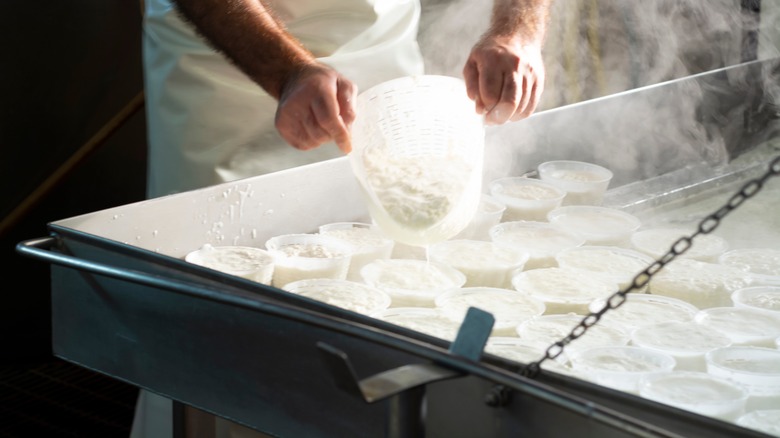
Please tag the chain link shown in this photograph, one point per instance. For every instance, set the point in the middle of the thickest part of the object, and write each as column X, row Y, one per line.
column 706, row 226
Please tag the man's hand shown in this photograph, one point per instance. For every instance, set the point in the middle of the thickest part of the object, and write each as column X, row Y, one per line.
column 316, row 105
column 504, row 77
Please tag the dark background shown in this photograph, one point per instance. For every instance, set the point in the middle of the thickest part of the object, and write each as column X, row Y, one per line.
column 71, row 72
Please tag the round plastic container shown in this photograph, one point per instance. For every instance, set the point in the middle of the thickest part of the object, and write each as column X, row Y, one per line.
column 303, row 256
column 702, row 284
column 742, row 325
column 255, row 264
column 367, row 240
column 541, row 240
column 765, row 298
column 656, row 242
column 696, row 392
column 549, row 329
column 421, row 319
column 404, row 251
column 640, row 310
column 756, row 368
column 620, row 367
column 764, row 420
column 417, row 153
column 527, row 199
column 686, row 341
column 584, row 183
column 563, row 290
column 412, row 283
column 525, row 352
column 508, row 307
column 349, row 295
column 619, row 265
column 487, row 264
column 763, row 264
column 597, row 225
column 489, row 213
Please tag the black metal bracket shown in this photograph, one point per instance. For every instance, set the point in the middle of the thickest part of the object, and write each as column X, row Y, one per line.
column 405, row 385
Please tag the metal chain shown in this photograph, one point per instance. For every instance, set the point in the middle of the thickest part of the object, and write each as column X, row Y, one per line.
column 706, row 226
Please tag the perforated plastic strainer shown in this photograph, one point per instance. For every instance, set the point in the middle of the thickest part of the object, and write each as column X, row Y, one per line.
column 418, row 149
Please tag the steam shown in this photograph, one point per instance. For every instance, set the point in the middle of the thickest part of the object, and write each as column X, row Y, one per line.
column 599, row 48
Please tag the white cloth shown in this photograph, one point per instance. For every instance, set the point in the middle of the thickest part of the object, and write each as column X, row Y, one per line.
column 208, row 123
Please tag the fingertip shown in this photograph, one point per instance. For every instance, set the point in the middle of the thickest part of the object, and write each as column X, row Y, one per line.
column 479, row 106
column 499, row 114
column 345, row 144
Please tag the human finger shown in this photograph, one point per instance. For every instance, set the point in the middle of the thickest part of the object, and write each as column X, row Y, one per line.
column 346, row 92
column 526, row 92
column 327, row 118
column 533, row 101
column 491, row 84
column 471, row 78
column 508, row 102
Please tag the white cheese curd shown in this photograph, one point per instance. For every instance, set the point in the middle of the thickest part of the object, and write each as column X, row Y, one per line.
column 421, row 198
column 584, row 183
column 620, row 367
column 597, row 225
column 255, row 264
column 527, row 199
column 686, row 341
column 302, row 256
column 541, row 240
column 367, row 240
column 744, row 326
column 757, row 368
column 656, row 242
column 620, row 265
column 549, row 329
column 758, row 297
column 639, row 310
column 487, row 264
column 563, row 290
column 422, row 319
column 702, row 284
column 525, row 352
column 762, row 264
column 697, row 392
column 508, row 307
column 346, row 294
column 410, row 282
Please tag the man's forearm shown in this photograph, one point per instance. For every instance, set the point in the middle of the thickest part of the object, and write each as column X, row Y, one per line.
column 527, row 18
column 251, row 37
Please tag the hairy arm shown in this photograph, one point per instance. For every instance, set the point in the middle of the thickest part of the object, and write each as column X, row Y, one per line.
column 315, row 102
column 504, row 73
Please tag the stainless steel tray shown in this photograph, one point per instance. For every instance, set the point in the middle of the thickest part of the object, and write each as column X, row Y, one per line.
column 124, row 303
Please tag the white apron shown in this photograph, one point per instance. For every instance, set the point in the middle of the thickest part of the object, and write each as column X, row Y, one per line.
column 208, row 123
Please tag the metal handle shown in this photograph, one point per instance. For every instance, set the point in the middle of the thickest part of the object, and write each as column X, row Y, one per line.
column 41, row 249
